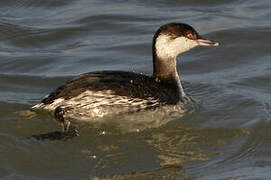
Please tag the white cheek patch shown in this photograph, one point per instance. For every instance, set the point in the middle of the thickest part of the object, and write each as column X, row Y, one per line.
column 167, row 47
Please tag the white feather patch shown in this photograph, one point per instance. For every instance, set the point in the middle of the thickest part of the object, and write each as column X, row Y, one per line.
column 98, row 103
column 167, row 47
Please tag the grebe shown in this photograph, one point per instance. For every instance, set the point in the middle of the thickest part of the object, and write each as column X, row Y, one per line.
column 97, row 94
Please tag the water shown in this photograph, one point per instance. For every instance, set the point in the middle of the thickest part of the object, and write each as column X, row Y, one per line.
column 45, row 43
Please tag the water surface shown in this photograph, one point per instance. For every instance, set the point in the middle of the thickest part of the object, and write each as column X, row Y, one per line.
column 45, row 43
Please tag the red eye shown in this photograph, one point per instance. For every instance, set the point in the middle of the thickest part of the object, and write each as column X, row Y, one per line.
column 190, row 36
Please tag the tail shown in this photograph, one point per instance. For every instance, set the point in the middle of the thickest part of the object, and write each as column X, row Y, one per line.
column 38, row 106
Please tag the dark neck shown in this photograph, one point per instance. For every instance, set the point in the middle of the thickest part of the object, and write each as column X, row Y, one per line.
column 165, row 71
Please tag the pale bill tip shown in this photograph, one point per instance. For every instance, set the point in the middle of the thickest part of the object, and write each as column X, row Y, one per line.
column 216, row 44
column 206, row 42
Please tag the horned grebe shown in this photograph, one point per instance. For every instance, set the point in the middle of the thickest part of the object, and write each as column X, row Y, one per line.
column 97, row 94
